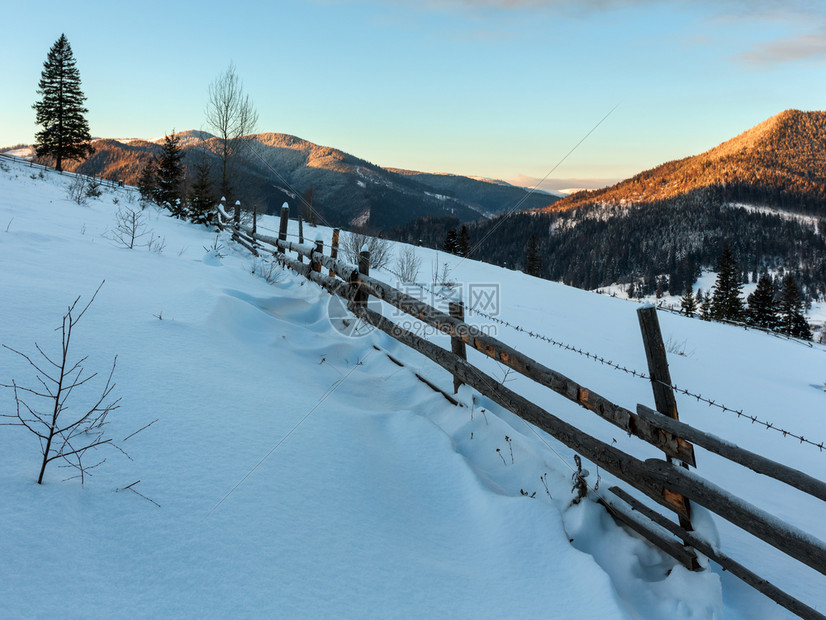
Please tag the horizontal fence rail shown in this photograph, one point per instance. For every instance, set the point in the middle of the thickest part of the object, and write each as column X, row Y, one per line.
column 667, row 484
column 103, row 182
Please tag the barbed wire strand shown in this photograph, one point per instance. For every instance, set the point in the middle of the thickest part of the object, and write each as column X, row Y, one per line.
column 635, row 373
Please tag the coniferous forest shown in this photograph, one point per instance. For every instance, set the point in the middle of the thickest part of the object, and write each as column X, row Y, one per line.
column 655, row 245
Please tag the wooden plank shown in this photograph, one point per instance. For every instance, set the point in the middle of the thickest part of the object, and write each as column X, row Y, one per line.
column 725, row 562
column 657, row 362
column 625, row 467
column 282, row 224
column 457, row 345
column 244, row 242
column 300, row 234
column 789, row 539
column 334, row 249
column 360, row 293
column 319, row 250
column 659, row 539
column 664, row 398
column 559, row 383
column 755, row 462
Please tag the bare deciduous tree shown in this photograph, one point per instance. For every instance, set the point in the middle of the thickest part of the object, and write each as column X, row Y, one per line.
column 130, row 227
column 44, row 410
column 232, row 117
column 408, row 264
column 380, row 250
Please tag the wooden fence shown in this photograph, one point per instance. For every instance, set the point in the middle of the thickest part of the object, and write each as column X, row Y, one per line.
column 669, row 484
column 101, row 181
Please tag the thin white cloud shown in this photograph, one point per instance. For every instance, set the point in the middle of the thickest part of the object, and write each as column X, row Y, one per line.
column 810, row 47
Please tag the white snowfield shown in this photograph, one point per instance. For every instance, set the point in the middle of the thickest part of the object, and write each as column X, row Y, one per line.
column 300, row 473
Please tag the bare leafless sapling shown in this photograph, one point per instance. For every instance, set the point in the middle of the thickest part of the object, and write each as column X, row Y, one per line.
column 130, row 227
column 380, row 250
column 65, row 431
column 407, row 264
column 232, row 117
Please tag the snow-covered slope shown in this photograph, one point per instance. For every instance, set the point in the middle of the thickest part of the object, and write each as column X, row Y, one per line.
column 300, row 473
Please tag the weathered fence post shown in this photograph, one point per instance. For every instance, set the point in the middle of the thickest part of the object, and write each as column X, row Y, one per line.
column 254, row 220
column 360, row 298
column 334, row 248
column 237, row 216
column 300, row 234
column 282, row 225
column 319, row 247
column 664, row 399
column 457, row 311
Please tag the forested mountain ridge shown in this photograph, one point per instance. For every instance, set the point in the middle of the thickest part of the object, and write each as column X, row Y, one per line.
column 763, row 194
column 780, row 162
column 346, row 190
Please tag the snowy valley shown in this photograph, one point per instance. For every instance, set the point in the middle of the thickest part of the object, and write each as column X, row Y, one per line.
column 289, row 470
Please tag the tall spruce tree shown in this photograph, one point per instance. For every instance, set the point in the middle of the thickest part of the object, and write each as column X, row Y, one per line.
column 533, row 258
column 762, row 307
column 726, row 303
column 170, row 174
column 792, row 320
column 688, row 304
column 451, row 243
column 148, row 181
column 463, row 242
column 60, row 111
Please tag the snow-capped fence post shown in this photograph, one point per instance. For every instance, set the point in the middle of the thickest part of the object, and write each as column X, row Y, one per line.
column 334, row 249
column 282, row 225
column 360, row 296
column 664, row 399
column 457, row 311
column 254, row 220
column 237, row 216
column 222, row 209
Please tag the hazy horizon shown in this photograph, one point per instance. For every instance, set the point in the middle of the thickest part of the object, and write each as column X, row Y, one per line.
column 489, row 88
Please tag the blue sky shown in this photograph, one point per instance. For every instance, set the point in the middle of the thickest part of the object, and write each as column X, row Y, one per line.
column 497, row 88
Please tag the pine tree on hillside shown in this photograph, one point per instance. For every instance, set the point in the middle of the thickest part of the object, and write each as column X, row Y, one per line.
column 170, row 172
column 451, row 242
column 533, row 258
column 147, row 182
column 202, row 197
column 762, row 308
column 65, row 133
column 704, row 305
column 726, row 303
column 792, row 320
column 463, row 242
column 688, row 304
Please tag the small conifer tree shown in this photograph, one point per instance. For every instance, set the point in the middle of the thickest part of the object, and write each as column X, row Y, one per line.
column 762, row 307
column 147, row 182
column 169, row 174
column 792, row 320
column 726, row 303
column 463, row 242
column 451, row 243
column 202, row 197
column 688, row 304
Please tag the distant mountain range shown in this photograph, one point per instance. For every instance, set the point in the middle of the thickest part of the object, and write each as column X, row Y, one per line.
column 347, row 191
column 762, row 193
column 779, row 163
